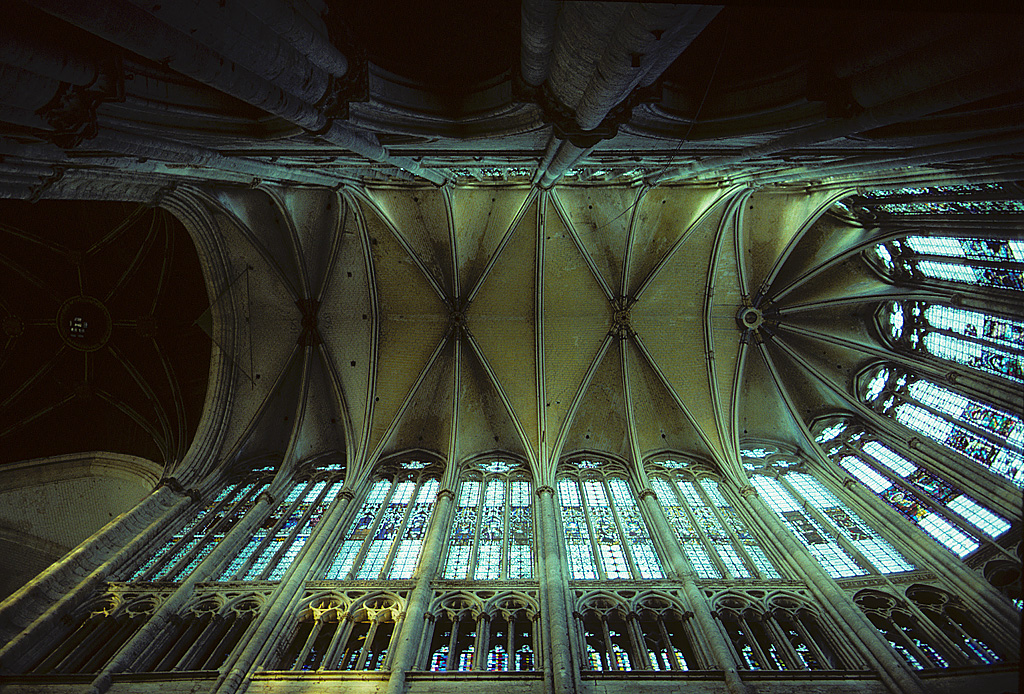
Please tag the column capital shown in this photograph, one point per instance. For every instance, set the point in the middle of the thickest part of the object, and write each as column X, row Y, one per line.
column 644, row 493
column 546, row 489
column 347, row 494
column 446, row 492
column 747, row 491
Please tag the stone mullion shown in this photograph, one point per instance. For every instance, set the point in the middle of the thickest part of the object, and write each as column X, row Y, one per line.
column 365, row 651
column 474, row 548
column 636, row 638
column 408, row 640
column 396, row 541
column 453, row 642
column 896, row 674
column 1004, row 498
column 480, row 647
column 707, row 626
column 626, row 552
column 307, row 645
column 670, row 649
column 205, row 529
column 156, row 624
column 337, row 644
column 378, row 517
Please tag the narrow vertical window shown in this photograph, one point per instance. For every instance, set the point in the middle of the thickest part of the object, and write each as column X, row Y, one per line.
column 984, row 342
column 915, row 492
column 491, row 536
column 385, row 538
column 180, row 555
column 990, row 437
column 711, row 532
column 604, row 534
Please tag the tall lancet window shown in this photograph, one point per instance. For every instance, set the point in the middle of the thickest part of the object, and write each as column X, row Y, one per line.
column 834, row 535
column 982, row 433
column 955, row 234
column 492, row 530
column 605, row 536
column 985, row 342
column 713, row 536
column 384, row 539
column 281, row 536
column 182, row 552
column 946, row 513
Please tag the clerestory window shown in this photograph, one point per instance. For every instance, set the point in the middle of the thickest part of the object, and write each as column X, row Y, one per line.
column 605, row 536
column 491, row 535
column 990, row 437
column 943, row 511
column 384, row 539
column 713, row 536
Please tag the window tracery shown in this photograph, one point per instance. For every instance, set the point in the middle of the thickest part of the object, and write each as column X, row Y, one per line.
column 384, row 539
column 779, row 632
column 984, row 342
column 912, row 490
column 648, row 633
column 605, row 536
column 466, row 634
column 984, row 434
column 202, row 636
column 710, row 530
column 333, row 634
column 492, row 527
column 921, row 645
column 101, row 627
column 831, row 531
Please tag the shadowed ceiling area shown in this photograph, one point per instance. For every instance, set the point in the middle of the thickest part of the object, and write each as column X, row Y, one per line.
column 100, row 346
column 468, row 320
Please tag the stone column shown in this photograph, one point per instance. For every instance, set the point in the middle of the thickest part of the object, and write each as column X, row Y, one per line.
column 896, row 674
column 554, row 586
column 208, row 569
column 267, row 631
column 707, row 626
column 407, row 641
column 37, row 607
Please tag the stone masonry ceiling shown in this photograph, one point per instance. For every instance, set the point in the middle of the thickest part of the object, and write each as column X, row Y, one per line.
column 499, row 320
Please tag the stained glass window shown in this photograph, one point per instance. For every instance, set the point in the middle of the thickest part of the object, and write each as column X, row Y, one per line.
column 183, row 552
column 710, row 530
column 983, row 262
column 989, row 436
column 278, row 540
column 604, row 533
column 880, row 553
column 820, row 543
column 985, row 342
column 384, row 539
column 918, row 493
column 492, row 530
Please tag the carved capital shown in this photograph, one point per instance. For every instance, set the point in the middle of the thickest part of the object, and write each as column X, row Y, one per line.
column 547, row 489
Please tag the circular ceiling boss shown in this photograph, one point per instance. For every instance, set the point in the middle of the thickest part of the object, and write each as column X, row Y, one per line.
column 84, row 323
